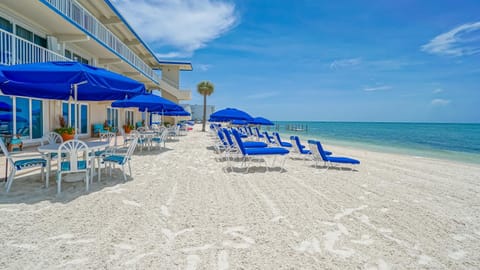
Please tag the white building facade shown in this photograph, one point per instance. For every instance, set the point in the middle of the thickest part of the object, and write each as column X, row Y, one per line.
column 91, row 32
column 197, row 111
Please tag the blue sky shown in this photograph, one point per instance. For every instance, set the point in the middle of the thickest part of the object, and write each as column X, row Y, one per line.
column 323, row 60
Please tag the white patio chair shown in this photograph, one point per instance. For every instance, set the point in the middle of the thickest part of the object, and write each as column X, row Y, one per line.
column 24, row 162
column 76, row 159
column 121, row 159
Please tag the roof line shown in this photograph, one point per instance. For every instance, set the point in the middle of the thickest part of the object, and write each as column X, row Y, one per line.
column 114, row 9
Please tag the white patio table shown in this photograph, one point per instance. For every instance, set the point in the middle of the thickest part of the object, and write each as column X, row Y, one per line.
column 48, row 149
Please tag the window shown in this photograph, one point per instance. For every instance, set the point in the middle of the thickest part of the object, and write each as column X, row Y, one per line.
column 75, row 57
column 22, row 115
column 6, row 25
column 69, row 113
column 24, row 33
column 112, row 117
column 6, row 115
column 40, row 41
column 129, row 118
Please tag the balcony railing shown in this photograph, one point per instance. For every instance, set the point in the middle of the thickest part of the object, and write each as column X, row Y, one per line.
column 86, row 21
column 16, row 50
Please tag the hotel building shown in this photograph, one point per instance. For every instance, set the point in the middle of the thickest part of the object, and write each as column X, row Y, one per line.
column 88, row 31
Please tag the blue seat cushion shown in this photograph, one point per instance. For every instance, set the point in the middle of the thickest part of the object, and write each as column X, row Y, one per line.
column 81, row 165
column 254, row 144
column 115, row 158
column 155, row 139
column 266, row 151
column 343, row 160
column 286, row 144
column 27, row 163
column 306, row 152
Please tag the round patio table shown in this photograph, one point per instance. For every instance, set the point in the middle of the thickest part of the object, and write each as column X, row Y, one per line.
column 48, row 149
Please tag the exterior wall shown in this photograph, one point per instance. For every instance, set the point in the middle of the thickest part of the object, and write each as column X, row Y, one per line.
column 197, row 111
column 86, row 48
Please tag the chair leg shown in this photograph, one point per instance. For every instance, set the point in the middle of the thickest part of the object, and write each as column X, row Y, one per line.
column 124, row 175
column 99, row 170
column 59, row 183
column 10, row 178
column 87, row 180
column 129, row 168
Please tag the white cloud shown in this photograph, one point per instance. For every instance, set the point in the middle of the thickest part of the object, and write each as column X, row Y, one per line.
column 377, row 88
column 203, row 67
column 462, row 40
column 262, row 95
column 437, row 91
column 185, row 25
column 343, row 63
column 440, row 102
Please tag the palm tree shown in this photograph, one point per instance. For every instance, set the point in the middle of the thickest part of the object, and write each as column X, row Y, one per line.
column 205, row 88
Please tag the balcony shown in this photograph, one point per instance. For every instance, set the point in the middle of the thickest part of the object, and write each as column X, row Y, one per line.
column 173, row 90
column 90, row 25
column 15, row 50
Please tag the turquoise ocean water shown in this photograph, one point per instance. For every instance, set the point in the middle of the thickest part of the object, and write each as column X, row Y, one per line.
column 460, row 142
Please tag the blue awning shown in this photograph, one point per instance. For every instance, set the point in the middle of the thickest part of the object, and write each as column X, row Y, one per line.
column 56, row 80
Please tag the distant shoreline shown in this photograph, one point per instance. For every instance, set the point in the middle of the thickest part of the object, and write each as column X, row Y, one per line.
column 447, row 141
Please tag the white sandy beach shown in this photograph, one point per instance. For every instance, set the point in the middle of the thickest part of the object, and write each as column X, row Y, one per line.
column 182, row 211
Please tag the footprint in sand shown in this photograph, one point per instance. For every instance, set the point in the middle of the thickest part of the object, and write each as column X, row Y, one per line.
column 222, row 263
column 361, row 197
column 236, row 232
column 80, row 241
column 329, row 244
column 310, row 246
column 165, row 211
column 424, row 259
column 364, row 240
column 379, row 265
column 132, row 203
column 62, row 237
column 192, row 262
column 457, row 255
column 384, row 210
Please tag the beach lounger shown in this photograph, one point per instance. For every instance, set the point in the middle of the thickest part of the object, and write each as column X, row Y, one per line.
column 247, row 144
column 269, row 139
column 259, row 135
column 319, row 154
column 247, row 153
column 280, row 142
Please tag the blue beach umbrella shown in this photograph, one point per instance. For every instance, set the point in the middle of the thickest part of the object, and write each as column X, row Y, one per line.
column 148, row 102
column 261, row 121
column 229, row 114
column 176, row 113
column 62, row 80
column 239, row 122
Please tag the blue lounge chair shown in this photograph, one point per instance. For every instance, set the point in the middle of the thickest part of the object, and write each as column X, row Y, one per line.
column 320, row 155
column 269, row 138
column 299, row 148
column 247, row 144
column 259, row 135
column 266, row 151
column 279, row 140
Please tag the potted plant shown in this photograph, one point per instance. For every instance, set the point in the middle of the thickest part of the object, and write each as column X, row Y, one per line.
column 65, row 131
column 128, row 128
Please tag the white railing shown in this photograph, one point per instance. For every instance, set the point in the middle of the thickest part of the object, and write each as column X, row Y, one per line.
column 16, row 50
column 74, row 11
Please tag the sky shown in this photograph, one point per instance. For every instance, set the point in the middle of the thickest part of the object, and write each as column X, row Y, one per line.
column 350, row 60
